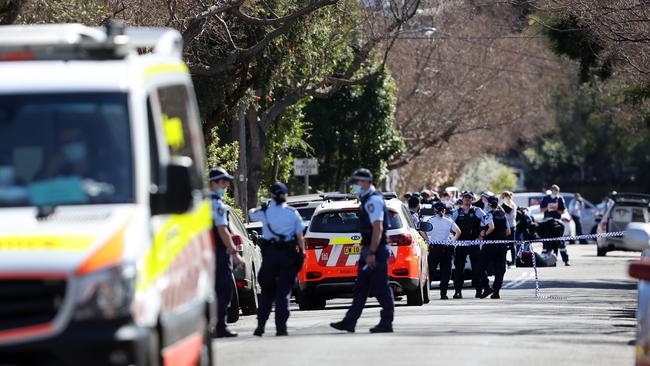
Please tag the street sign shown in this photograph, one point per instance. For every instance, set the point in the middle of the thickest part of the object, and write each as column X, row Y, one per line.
column 305, row 167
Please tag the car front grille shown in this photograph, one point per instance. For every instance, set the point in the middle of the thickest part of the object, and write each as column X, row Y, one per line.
column 29, row 302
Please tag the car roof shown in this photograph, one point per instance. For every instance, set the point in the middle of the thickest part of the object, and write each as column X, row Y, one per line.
column 327, row 206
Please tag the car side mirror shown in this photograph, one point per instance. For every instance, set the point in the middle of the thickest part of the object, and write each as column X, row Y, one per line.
column 425, row 226
column 637, row 236
column 255, row 237
column 175, row 197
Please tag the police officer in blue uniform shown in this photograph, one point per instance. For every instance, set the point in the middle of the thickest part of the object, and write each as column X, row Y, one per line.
column 470, row 220
column 495, row 254
column 226, row 250
column 372, row 271
column 553, row 206
column 283, row 250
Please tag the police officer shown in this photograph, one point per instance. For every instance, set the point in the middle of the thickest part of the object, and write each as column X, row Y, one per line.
column 495, row 254
column 414, row 211
column 470, row 220
column 553, row 207
column 283, row 250
column 372, row 272
column 226, row 250
column 441, row 255
column 482, row 201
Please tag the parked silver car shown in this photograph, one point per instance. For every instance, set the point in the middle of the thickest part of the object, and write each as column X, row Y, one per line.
column 623, row 210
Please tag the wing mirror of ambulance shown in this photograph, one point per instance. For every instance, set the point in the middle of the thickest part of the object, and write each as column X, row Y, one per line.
column 175, row 197
column 425, row 226
column 637, row 236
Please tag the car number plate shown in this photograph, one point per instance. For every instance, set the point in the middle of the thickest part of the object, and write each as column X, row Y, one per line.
column 352, row 250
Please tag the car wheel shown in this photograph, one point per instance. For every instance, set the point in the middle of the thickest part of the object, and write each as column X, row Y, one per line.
column 233, row 309
column 601, row 251
column 307, row 301
column 415, row 297
column 206, row 356
column 427, row 290
column 249, row 300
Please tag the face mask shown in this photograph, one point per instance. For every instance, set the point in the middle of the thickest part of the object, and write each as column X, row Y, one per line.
column 554, row 196
column 220, row 192
column 75, row 151
column 357, row 189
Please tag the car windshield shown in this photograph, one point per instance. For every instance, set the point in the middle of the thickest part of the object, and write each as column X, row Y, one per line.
column 306, row 213
column 65, row 149
column 345, row 222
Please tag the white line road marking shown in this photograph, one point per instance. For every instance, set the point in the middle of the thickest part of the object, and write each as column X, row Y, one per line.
column 526, row 276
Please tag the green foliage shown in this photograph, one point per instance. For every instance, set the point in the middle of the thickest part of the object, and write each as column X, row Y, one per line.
column 63, row 11
column 486, row 173
column 354, row 128
column 225, row 156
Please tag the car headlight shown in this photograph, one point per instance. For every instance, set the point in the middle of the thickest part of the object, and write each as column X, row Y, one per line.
column 105, row 294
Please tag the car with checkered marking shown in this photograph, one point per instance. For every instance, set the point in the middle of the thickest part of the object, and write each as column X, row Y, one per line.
column 333, row 245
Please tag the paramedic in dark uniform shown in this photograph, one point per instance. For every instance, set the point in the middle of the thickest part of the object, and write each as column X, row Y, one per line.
column 283, row 250
column 553, row 206
column 470, row 220
column 372, row 272
column 226, row 251
column 495, row 254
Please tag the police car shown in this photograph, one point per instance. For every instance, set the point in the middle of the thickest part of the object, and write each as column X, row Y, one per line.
column 333, row 244
column 106, row 251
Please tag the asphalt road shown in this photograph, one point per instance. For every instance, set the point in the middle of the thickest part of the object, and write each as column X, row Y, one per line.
column 593, row 324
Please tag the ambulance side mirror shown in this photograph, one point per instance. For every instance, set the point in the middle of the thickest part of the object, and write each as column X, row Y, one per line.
column 637, row 236
column 175, row 197
column 425, row 226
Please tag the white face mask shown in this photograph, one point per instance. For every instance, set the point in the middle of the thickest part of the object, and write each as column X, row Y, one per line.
column 75, row 151
column 357, row 189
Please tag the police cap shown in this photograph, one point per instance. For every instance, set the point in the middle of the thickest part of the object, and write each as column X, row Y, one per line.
column 278, row 189
column 493, row 200
column 361, row 174
column 218, row 174
column 439, row 206
column 468, row 194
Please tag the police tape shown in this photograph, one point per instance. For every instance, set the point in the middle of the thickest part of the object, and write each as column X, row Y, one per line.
column 521, row 250
column 466, row 243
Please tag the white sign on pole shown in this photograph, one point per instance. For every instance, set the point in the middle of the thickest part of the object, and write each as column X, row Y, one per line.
column 305, row 167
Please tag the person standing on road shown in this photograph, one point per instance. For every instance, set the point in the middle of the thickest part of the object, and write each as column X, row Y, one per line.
column 283, row 251
column 510, row 208
column 414, row 211
column 372, row 271
column 553, row 206
column 495, row 254
column 470, row 220
column 226, row 251
column 576, row 207
column 439, row 254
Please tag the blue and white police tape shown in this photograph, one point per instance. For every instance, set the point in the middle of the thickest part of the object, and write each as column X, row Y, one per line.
column 465, row 243
column 522, row 246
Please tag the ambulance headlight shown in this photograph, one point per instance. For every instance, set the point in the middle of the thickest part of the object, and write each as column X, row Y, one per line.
column 105, row 294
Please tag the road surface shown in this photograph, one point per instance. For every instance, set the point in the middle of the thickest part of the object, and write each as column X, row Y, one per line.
column 592, row 325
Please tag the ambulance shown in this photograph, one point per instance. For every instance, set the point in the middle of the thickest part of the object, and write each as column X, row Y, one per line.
column 333, row 246
column 106, row 247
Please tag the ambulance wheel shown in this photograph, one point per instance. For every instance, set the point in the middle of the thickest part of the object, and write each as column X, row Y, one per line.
column 206, row 356
column 601, row 251
column 415, row 297
column 154, row 355
column 307, row 301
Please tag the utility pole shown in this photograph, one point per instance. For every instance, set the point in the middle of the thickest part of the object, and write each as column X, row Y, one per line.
column 241, row 178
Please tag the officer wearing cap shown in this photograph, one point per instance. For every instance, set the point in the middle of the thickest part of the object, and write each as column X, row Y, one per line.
column 283, row 250
column 482, row 201
column 372, row 271
column 439, row 254
column 495, row 254
column 226, row 250
column 470, row 220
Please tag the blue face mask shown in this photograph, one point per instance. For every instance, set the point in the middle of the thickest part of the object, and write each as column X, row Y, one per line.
column 75, row 151
column 220, row 192
column 357, row 189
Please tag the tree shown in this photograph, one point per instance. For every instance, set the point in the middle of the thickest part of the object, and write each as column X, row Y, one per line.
column 486, row 173
column 353, row 128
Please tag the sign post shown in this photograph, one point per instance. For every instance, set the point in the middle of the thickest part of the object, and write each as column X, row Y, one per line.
column 305, row 167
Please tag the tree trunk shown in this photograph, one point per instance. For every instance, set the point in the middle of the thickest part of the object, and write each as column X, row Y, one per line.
column 257, row 150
